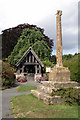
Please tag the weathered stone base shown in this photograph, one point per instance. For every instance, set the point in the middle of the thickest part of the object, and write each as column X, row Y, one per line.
column 47, row 98
column 45, row 90
column 59, row 73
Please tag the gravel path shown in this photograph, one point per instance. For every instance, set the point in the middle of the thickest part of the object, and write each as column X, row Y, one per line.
column 6, row 97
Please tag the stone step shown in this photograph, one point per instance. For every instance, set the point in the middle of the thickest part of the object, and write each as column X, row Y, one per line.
column 49, row 90
column 46, row 90
column 36, row 93
column 53, row 100
column 59, row 84
column 47, row 98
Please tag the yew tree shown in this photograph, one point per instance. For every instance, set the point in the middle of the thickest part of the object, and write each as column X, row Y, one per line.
column 30, row 38
column 10, row 37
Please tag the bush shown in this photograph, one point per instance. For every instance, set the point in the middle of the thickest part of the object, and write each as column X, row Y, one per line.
column 7, row 75
column 69, row 95
column 73, row 65
column 47, row 63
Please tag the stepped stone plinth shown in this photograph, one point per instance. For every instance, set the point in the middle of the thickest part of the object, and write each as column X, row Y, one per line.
column 47, row 98
column 45, row 90
column 59, row 77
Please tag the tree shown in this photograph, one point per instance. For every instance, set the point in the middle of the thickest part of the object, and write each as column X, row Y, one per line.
column 42, row 50
column 67, row 57
column 53, row 59
column 33, row 38
column 73, row 65
column 10, row 37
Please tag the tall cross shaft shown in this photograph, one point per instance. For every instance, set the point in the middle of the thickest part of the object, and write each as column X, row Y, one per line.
column 59, row 38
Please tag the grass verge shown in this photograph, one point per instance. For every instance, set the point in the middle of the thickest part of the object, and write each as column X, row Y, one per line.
column 2, row 88
column 25, row 88
column 28, row 106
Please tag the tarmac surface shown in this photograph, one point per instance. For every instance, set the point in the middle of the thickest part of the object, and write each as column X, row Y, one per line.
column 6, row 95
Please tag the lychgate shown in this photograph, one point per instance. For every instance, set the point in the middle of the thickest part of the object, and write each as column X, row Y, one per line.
column 30, row 65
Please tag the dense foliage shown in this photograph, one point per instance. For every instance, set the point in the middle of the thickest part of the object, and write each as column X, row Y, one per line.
column 69, row 95
column 47, row 63
column 42, row 50
column 10, row 37
column 53, row 59
column 73, row 64
column 33, row 38
column 68, row 57
column 7, row 75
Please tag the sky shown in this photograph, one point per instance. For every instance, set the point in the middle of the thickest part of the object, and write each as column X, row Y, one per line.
column 43, row 14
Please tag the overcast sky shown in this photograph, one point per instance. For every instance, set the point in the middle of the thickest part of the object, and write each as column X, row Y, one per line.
column 43, row 14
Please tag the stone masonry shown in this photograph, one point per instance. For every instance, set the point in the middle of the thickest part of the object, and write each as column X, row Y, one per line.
column 45, row 90
column 59, row 77
column 59, row 73
column 59, row 38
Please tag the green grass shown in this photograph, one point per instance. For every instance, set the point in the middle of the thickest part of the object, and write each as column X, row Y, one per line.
column 25, row 88
column 0, row 88
column 28, row 106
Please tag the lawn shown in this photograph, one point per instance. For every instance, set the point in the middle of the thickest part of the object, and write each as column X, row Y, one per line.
column 28, row 106
column 25, row 88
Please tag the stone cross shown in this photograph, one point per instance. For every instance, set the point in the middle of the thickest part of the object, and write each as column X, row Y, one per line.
column 59, row 38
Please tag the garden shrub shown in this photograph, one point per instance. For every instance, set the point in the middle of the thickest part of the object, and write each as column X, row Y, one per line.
column 7, row 75
column 73, row 65
column 69, row 95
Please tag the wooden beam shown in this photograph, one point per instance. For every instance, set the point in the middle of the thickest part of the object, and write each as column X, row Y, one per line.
column 35, row 69
column 29, row 57
column 32, row 58
column 23, row 69
column 26, row 59
column 29, row 63
column 39, row 69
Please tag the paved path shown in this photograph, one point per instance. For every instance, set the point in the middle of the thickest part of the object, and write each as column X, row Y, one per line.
column 6, row 97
